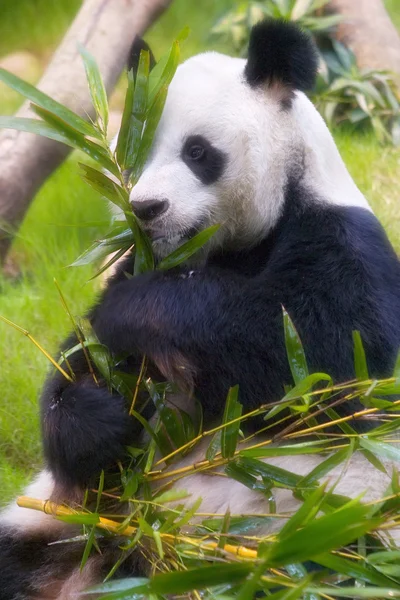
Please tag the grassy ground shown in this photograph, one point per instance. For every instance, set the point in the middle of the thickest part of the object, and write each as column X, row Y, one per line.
column 66, row 216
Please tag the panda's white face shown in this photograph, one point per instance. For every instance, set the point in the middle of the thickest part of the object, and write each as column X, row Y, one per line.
column 215, row 158
column 223, row 152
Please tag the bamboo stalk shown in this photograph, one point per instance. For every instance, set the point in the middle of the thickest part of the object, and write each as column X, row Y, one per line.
column 42, row 350
column 58, row 510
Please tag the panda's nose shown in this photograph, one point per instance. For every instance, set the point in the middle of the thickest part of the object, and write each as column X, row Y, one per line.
column 146, row 210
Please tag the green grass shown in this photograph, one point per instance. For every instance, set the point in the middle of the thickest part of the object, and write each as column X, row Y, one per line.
column 66, row 216
column 64, row 219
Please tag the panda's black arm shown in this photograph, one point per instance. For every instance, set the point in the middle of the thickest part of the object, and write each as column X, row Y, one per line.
column 218, row 327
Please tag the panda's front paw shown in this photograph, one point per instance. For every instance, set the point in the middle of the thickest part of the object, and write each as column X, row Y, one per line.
column 85, row 430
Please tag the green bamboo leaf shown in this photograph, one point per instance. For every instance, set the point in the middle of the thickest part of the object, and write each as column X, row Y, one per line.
column 139, row 110
column 96, row 152
column 305, row 385
column 73, row 350
column 327, row 465
column 96, row 87
column 396, row 370
column 123, row 134
column 238, row 472
column 114, row 258
column 52, row 106
column 276, row 474
column 81, row 519
column 214, row 446
column 88, row 548
column 326, row 533
column 164, row 71
column 98, row 353
column 357, row 592
column 294, row 349
column 36, row 127
column 230, row 433
column 374, row 460
column 105, row 186
column 354, row 569
column 186, row 250
column 179, row 582
column 147, row 136
column 100, row 250
column 130, row 481
column 144, row 259
column 306, row 513
column 360, row 361
column 120, row 585
column 387, row 451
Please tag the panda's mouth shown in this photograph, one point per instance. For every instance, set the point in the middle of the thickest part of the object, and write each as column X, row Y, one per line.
column 174, row 238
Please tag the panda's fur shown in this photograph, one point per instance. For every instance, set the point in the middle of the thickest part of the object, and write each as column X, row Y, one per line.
column 296, row 231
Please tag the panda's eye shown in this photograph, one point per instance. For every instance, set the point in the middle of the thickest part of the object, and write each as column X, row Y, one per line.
column 196, row 152
column 204, row 160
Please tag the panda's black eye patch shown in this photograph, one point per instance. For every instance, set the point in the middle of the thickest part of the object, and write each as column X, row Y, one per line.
column 203, row 159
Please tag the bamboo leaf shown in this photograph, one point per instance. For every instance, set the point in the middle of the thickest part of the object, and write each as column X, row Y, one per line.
column 214, row 446
column 99, row 353
column 354, row 569
column 230, row 433
column 306, row 513
column 96, row 152
column 114, row 258
column 306, row 385
column 130, row 481
column 186, row 250
column 396, row 370
column 37, row 127
column 139, row 110
column 144, row 259
column 360, row 361
column 123, row 134
column 294, row 348
column 327, row 465
column 152, row 119
column 276, row 474
column 179, row 582
column 164, row 71
column 330, row 531
column 120, row 585
column 96, row 87
column 52, row 106
column 88, row 548
column 105, row 186
column 387, row 451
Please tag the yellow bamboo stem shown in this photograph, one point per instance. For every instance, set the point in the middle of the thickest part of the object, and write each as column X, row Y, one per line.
column 42, row 350
column 58, row 510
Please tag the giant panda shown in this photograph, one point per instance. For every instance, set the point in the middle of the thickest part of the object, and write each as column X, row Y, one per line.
column 239, row 144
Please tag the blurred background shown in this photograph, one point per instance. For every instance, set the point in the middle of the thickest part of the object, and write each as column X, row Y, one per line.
column 361, row 106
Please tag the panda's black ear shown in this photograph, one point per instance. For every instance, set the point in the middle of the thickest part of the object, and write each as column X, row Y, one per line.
column 134, row 54
column 281, row 53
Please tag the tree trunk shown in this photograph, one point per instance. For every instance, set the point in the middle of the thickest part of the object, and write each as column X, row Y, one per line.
column 106, row 28
column 369, row 32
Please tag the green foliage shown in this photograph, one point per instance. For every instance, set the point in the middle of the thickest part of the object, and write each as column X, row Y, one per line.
column 344, row 93
column 234, row 27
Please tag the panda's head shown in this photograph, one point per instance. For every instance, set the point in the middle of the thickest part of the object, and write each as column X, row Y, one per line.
column 232, row 132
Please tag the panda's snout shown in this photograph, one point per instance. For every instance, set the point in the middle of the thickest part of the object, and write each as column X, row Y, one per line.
column 147, row 210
